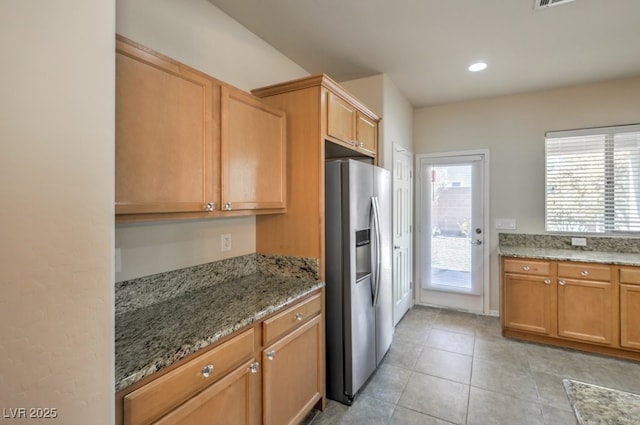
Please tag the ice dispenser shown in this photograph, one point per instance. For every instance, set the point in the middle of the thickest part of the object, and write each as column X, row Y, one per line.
column 363, row 253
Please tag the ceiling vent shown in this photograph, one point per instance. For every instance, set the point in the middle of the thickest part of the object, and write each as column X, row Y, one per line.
column 543, row 4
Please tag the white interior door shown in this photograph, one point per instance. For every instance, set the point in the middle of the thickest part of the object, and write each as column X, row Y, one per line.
column 402, row 232
column 452, row 260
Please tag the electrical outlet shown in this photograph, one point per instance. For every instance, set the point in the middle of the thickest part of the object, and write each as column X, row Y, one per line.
column 579, row 241
column 225, row 240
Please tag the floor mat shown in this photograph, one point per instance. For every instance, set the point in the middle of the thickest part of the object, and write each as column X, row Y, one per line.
column 595, row 405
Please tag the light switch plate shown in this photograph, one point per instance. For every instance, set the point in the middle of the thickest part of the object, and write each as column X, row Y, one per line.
column 506, row 223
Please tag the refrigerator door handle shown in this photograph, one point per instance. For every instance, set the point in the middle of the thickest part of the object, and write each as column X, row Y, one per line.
column 377, row 248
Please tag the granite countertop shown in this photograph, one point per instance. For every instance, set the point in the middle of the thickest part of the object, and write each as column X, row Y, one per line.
column 619, row 258
column 156, row 336
column 594, row 405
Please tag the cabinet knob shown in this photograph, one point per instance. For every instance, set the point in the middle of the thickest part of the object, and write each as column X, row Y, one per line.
column 227, row 206
column 253, row 367
column 361, row 144
column 207, row 370
column 584, row 273
column 562, row 282
column 298, row 316
column 271, row 355
column 547, row 281
column 210, row 206
column 525, row 268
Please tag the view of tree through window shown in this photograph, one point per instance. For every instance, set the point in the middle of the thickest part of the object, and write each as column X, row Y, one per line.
column 593, row 180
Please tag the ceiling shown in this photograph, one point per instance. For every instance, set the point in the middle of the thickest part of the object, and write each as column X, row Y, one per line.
column 426, row 46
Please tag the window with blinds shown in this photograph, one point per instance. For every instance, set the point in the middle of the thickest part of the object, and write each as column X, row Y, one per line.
column 593, row 180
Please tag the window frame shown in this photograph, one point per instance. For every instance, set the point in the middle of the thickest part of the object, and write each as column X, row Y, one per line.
column 608, row 203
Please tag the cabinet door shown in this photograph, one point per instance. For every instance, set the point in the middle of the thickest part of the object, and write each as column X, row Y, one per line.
column 341, row 118
column 253, row 153
column 292, row 375
column 585, row 310
column 165, row 135
column 231, row 400
column 529, row 303
column 367, row 134
column 630, row 316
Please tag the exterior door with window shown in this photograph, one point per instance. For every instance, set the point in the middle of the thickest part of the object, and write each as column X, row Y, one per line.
column 452, row 258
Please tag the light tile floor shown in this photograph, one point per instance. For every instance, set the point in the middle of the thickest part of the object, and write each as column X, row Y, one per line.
column 447, row 367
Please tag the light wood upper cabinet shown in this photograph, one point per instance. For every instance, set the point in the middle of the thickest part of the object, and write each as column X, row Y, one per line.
column 165, row 134
column 351, row 127
column 190, row 146
column 317, row 109
column 341, row 117
column 253, row 153
column 367, row 133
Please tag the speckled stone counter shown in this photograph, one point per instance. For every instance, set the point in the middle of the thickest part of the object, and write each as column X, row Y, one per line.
column 621, row 251
column 619, row 258
column 595, row 405
column 154, row 335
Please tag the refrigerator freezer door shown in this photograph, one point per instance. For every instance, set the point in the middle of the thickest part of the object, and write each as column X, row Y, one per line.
column 360, row 356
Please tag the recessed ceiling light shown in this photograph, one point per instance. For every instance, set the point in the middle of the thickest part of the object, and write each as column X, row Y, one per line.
column 478, row 66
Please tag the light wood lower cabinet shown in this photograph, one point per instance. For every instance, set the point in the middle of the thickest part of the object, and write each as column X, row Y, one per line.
column 572, row 304
column 585, row 302
column 271, row 373
column 236, row 395
column 293, row 375
column 528, row 303
column 630, row 308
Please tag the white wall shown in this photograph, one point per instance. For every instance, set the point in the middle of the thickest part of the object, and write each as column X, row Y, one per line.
column 384, row 98
column 56, row 169
column 513, row 128
column 196, row 33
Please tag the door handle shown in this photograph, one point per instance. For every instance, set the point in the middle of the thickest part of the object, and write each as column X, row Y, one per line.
column 396, row 247
column 476, row 242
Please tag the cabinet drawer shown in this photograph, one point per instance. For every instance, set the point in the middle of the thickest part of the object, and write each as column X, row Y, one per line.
column 584, row 271
column 291, row 318
column 148, row 403
column 541, row 268
column 630, row 275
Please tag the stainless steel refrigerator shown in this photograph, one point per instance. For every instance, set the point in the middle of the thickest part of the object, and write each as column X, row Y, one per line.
column 358, row 257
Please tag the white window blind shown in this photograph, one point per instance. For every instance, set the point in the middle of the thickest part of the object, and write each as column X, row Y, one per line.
column 593, row 180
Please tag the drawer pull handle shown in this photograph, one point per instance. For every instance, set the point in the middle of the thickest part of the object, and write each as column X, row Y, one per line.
column 298, row 316
column 584, row 273
column 207, row 370
column 562, row 282
column 271, row 355
column 253, row 367
column 547, row 281
column 525, row 268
